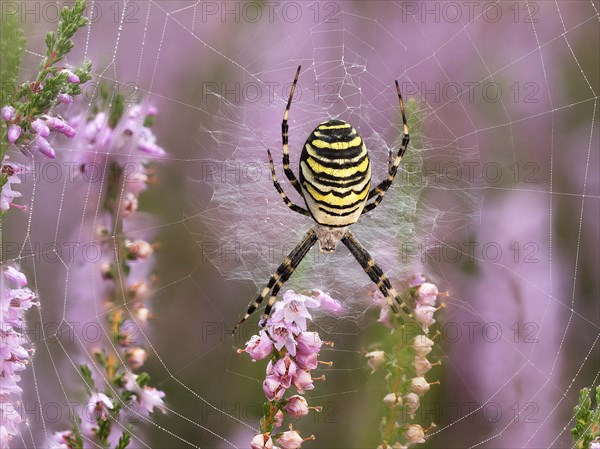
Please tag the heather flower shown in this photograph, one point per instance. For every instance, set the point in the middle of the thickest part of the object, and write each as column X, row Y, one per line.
column 283, row 370
column 43, row 146
column 294, row 353
column 412, row 402
column 421, row 365
column 424, row 315
column 65, row 99
column 62, row 440
column 72, row 77
column 259, row 346
column 14, row 352
column 150, row 399
column 392, row 400
column 309, row 342
column 422, row 345
column 414, row 434
column 283, row 336
column 307, row 361
column 296, row 406
column 595, row 444
column 261, row 441
column 328, row 303
column 7, row 194
column 426, row 294
column 290, row 440
column 136, row 357
column 59, row 125
column 293, row 309
column 14, row 131
column 376, row 359
column 273, row 389
column 7, row 112
column 419, row 385
column 13, row 275
column 40, row 127
column 138, row 249
column 303, row 381
column 416, row 280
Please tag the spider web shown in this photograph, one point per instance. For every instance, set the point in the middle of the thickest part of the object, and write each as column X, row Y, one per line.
column 224, row 229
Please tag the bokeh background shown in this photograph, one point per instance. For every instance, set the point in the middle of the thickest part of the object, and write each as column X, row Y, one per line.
column 503, row 104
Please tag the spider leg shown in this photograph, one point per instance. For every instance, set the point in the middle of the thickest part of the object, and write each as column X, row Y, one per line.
column 376, row 274
column 380, row 190
column 281, row 275
column 284, row 138
column 286, row 200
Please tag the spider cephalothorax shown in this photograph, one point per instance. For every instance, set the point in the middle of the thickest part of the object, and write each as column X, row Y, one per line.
column 335, row 183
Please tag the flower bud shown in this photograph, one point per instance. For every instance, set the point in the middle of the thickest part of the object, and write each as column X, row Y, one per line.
column 290, row 440
column 8, row 112
column 14, row 131
column 422, row 345
column 261, row 441
column 376, row 358
column 421, row 365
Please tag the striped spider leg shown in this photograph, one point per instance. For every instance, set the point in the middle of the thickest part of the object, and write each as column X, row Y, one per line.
column 376, row 274
column 380, row 190
column 283, row 273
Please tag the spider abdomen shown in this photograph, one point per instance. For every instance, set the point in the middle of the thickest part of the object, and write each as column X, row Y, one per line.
column 335, row 173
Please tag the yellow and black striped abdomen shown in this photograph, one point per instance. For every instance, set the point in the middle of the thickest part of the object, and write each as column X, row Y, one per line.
column 335, row 173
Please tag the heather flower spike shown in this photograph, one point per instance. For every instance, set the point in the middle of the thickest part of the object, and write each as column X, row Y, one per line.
column 407, row 366
column 15, row 299
column 293, row 353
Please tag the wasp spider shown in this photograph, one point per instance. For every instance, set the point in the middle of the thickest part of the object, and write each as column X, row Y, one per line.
column 335, row 183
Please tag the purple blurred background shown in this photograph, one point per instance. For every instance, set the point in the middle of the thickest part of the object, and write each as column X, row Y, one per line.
column 505, row 100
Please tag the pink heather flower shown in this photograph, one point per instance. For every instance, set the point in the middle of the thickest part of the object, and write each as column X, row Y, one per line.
column 7, row 195
column 376, row 359
column 151, row 398
column 139, row 249
column 296, row 406
column 427, row 294
column 65, row 99
column 39, row 127
column 14, row 131
column 411, row 401
column 414, row 434
column 424, row 315
column 97, row 408
column 293, row 309
column 595, row 444
column 419, row 385
column 59, row 125
column 290, row 440
column 13, row 275
column 7, row 112
column 283, row 370
column 303, row 381
column 130, row 204
column 147, row 143
column 136, row 357
column 283, row 335
column 309, row 342
column 71, row 76
column 421, row 365
column 307, row 361
column 9, row 420
column 422, row 345
column 272, row 389
column 416, row 280
column 62, row 440
column 259, row 346
column 261, row 441
column 328, row 303
column 130, row 382
column 43, row 146
column 391, row 400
